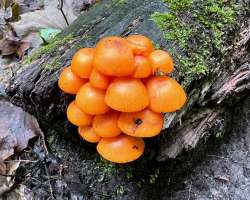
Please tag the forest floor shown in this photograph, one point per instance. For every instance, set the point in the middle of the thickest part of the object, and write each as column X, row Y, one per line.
column 219, row 170
column 66, row 168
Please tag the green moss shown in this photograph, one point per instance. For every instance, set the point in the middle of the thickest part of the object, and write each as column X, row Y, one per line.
column 107, row 168
column 153, row 177
column 120, row 190
column 196, row 28
column 48, row 49
column 177, row 31
column 111, row 169
column 179, row 5
column 54, row 64
column 120, row 2
column 219, row 135
column 157, row 46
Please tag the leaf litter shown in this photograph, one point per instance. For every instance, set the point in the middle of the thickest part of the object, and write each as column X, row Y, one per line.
column 25, row 25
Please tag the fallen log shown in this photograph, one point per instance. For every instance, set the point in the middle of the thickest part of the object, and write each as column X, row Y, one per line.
column 34, row 86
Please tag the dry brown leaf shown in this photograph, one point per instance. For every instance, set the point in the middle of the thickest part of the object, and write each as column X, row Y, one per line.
column 20, row 193
column 19, row 125
column 6, row 179
column 8, row 47
column 9, row 44
column 24, row 46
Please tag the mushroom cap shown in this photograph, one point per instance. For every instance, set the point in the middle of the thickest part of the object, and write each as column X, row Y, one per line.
column 127, row 95
column 91, row 100
column 88, row 134
column 121, row 149
column 99, row 80
column 69, row 82
column 82, row 62
column 114, row 57
column 105, row 125
column 165, row 94
column 141, row 44
column 77, row 117
column 161, row 61
column 145, row 123
column 142, row 67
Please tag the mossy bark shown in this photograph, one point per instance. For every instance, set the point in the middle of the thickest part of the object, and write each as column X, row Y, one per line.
column 34, row 87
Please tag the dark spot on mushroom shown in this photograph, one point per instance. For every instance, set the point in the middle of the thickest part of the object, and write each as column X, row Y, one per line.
column 138, row 121
column 135, row 147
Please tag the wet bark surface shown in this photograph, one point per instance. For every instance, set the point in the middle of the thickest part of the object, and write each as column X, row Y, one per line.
column 189, row 163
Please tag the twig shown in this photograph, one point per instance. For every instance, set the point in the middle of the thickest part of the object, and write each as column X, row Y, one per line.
column 189, row 191
column 44, row 143
column 26, row 161
column 218, row 157
column 60, row 7
column 6, row 175
column 50, row 186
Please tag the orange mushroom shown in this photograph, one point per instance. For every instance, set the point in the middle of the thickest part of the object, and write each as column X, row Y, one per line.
column 77, row 117
column 82, row 62
column 91, row 100
column 145, row 123
column 114, row 57
column 99, row 80
column 141, row 44
column 105, row 125
column 69, row 82
column 143, row 67
column 127, row 95
column 165, row 94
column 88, row 134
column 161, row 62
column 121, row 149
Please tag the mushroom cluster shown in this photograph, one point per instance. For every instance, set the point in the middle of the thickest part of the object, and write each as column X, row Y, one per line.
column 122, row 89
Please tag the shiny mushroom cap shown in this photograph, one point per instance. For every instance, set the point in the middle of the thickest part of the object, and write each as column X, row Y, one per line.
column 145, row 123
column 121, row 149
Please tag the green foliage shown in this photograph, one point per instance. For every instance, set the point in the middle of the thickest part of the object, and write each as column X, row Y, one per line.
column 179, row 5
column 48, row 34
column 219, row 135
column 153, row 177
column 107, row 167
column 120, row 2
column 203, row 23
column 157, row 46
column 120, row 190
column 111, row 169
column 176, row 30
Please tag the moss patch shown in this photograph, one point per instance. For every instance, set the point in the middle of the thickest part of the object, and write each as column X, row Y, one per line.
column 48, row 49
column 197, row 29
column 120, row 2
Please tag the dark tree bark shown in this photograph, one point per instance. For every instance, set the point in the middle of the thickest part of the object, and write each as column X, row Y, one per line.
column 34, row 87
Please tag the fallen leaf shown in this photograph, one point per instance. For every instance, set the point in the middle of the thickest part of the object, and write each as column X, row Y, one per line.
column 18, row 127
column 5, row 3
column 15, row 8
column 8, row 47
column 7, row 179
column 24, row 46
column 34, row 40
column 3, row 168
column 47, row 34
column 29, row 6
column 49, row 17
column 80, row 5
column 20, row 193
column 9, row 44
